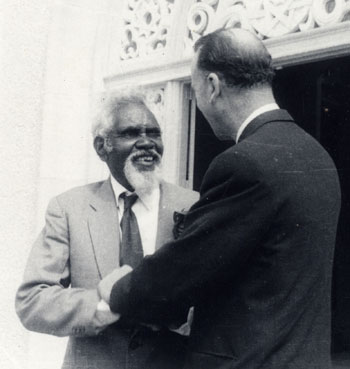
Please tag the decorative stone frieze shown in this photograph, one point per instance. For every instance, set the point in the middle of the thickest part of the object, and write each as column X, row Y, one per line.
column 268, row 18
column 146, row 27
column 147, row 23
column 157, row 36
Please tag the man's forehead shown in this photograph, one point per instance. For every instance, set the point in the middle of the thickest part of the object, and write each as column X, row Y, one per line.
column 135, row 116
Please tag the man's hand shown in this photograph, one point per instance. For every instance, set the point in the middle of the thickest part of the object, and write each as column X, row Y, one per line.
column 105, row 286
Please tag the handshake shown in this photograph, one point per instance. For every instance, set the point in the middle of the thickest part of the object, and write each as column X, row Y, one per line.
column 106, row 284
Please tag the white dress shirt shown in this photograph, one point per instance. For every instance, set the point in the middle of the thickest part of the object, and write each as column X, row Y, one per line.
column 146, row 210
column 252, row 116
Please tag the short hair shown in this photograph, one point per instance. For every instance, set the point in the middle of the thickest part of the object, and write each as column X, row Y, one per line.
column 108, row 107
column 240, row 64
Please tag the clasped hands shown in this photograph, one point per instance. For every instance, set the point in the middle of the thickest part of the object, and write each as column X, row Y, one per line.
column 105, row 287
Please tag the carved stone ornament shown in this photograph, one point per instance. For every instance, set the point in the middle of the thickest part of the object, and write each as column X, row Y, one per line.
column 155, row 100
column 146, row 27
column 268, row 18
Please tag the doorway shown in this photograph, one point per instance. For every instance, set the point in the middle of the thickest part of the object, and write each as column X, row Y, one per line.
column 317, row 95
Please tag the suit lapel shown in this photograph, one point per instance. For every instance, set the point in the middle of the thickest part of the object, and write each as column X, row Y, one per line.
column 165, row 217
column 278, row 115
column 104, row 230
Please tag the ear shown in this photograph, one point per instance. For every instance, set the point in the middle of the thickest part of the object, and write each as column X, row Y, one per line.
column 214, row 85
column 99, row 145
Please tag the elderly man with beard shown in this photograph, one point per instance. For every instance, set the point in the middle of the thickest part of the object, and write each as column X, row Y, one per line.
column 89, row 239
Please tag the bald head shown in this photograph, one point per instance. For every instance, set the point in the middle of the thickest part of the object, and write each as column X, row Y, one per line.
column 235, row 55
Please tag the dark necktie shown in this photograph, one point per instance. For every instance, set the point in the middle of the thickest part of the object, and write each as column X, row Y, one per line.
column 131, row 252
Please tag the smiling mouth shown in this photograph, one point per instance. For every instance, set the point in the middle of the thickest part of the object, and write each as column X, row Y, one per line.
column 146, row 160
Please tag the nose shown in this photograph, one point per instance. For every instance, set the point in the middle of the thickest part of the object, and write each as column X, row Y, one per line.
column 144, row 142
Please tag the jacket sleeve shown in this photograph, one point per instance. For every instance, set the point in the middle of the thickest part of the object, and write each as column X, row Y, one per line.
column 45, row 302
column 221, row 232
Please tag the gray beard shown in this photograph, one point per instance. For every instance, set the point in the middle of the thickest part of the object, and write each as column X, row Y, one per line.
column 144, row 182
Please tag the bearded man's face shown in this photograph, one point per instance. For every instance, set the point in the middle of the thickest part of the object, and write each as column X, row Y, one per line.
column 137, row 146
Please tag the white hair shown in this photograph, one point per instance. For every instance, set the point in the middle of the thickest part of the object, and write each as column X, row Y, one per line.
column 108, row 106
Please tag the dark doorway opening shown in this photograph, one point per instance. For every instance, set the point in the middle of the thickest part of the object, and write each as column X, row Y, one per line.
column 317, row 95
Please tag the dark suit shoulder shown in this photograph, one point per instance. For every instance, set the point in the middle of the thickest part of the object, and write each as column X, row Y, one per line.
column 286, row 145
column 279, row 155
column 234, row 163
column 275, row 147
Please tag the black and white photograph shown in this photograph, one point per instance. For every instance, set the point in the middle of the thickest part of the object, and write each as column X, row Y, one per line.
column 175, row 184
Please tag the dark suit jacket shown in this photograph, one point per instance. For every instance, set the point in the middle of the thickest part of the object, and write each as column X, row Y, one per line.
column 77, row 248
column 255, row 258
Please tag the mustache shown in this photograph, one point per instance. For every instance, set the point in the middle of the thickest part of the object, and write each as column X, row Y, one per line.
column 140, row 153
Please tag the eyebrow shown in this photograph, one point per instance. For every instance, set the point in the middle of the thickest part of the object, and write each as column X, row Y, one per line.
column 139, row 129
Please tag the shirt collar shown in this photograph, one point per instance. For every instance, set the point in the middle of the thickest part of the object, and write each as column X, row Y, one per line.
column 149, row 200
column 253, row 115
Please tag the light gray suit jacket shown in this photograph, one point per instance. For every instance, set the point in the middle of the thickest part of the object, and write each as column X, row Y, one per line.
column 79, row 246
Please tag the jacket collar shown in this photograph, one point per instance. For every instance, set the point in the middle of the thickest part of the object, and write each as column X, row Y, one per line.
column 103, row 224
column 279, row 115
column 103, row 227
